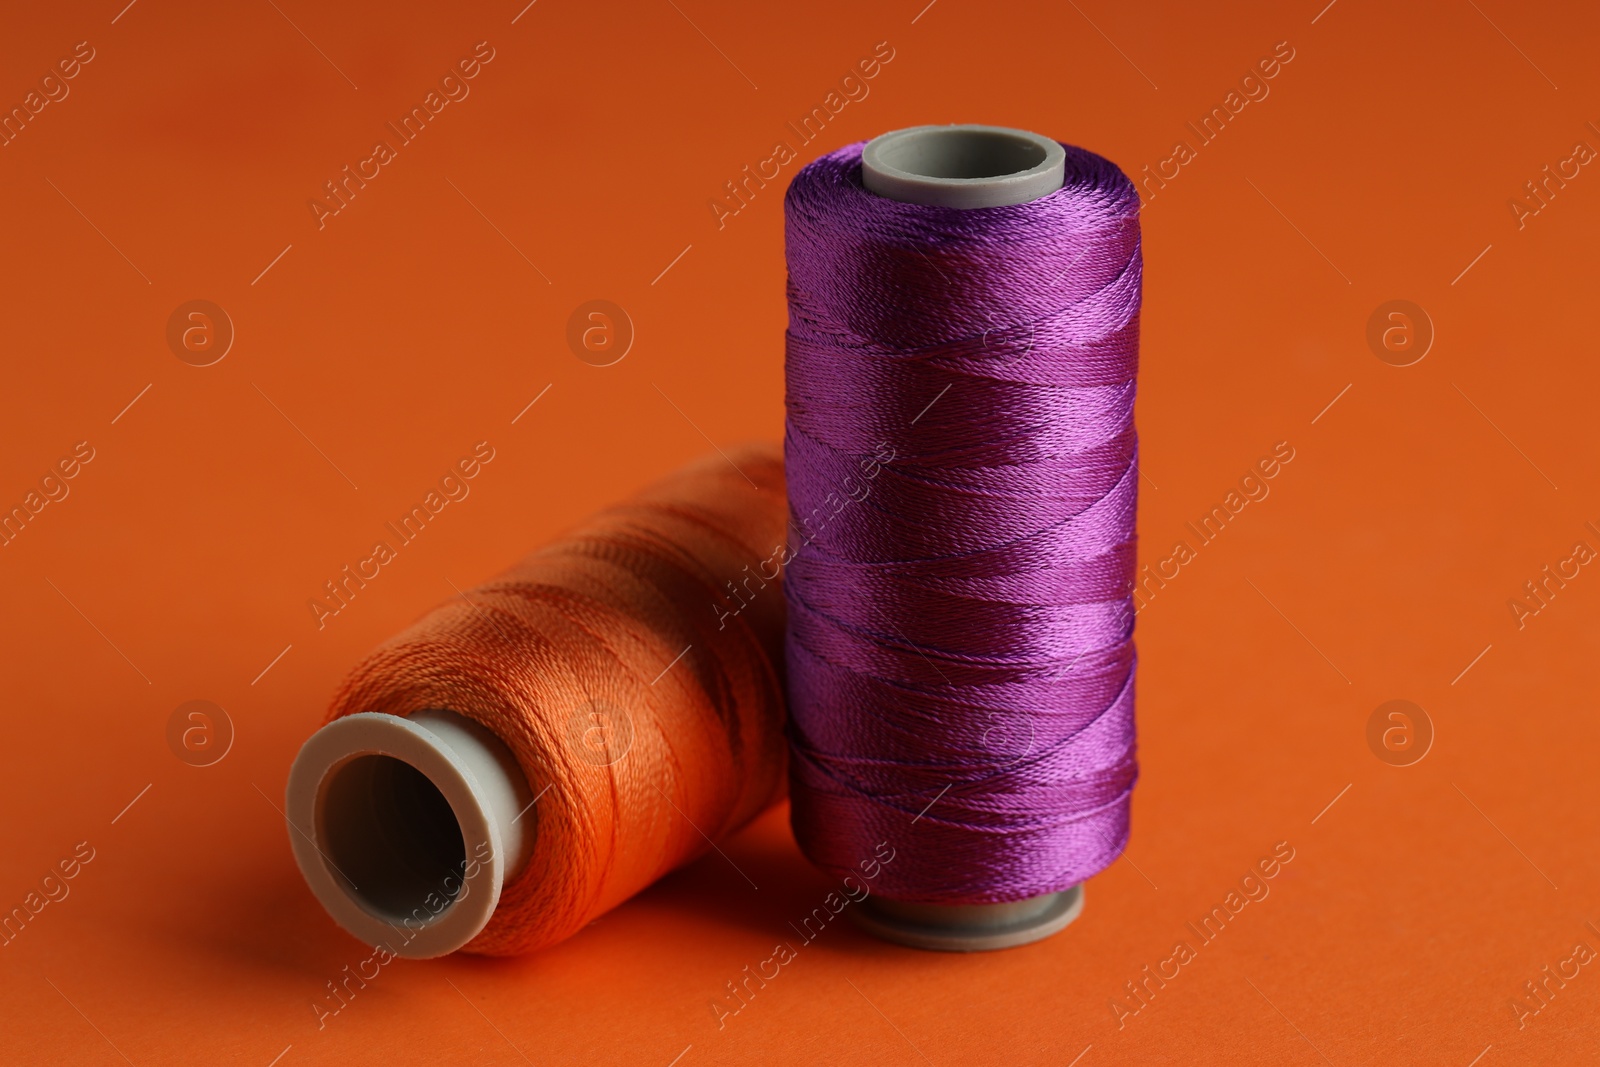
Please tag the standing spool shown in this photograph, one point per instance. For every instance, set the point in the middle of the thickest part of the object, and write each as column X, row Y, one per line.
column 863, row 310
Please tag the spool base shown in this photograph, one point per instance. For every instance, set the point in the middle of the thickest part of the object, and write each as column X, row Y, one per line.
column 969, row 927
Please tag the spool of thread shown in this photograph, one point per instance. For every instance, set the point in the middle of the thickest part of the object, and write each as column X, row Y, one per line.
column 962, row 348
column 541, row 748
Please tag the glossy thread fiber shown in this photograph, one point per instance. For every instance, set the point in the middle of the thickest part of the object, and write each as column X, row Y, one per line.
column 647, row 718
column 962, row 476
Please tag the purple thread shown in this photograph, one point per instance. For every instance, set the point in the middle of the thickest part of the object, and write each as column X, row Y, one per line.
column 961, row 459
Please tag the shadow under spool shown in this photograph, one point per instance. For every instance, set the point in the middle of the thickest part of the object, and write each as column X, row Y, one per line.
column 965, row 167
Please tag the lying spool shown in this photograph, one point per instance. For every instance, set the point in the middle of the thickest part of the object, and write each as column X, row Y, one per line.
column 533, row 753
column 964, row 168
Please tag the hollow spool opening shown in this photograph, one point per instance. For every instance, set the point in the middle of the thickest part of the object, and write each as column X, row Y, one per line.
column 391, row 834
column 407, row 828
column 963, row 153
column 963, row 166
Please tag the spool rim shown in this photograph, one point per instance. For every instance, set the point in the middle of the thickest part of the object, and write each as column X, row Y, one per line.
column 963, row 166
column 454, row 757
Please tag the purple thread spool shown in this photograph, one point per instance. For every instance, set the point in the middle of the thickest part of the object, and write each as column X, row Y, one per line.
column 964, row 167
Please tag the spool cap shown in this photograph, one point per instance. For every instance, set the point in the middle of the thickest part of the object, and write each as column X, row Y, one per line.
column 965, row 167
column 406, row 829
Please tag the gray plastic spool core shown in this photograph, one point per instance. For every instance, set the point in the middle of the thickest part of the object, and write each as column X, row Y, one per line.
column 969, row 927
column 965, row 167
column 408, row 828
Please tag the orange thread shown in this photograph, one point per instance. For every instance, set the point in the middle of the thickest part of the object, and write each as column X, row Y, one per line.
column 566, row 658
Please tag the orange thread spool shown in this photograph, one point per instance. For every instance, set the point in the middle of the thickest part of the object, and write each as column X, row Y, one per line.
column 645, row 715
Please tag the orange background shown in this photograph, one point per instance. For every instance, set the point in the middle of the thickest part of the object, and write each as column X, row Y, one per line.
column 412, row 326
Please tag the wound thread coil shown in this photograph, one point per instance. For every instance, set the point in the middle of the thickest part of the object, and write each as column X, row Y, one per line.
column 960, row 649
